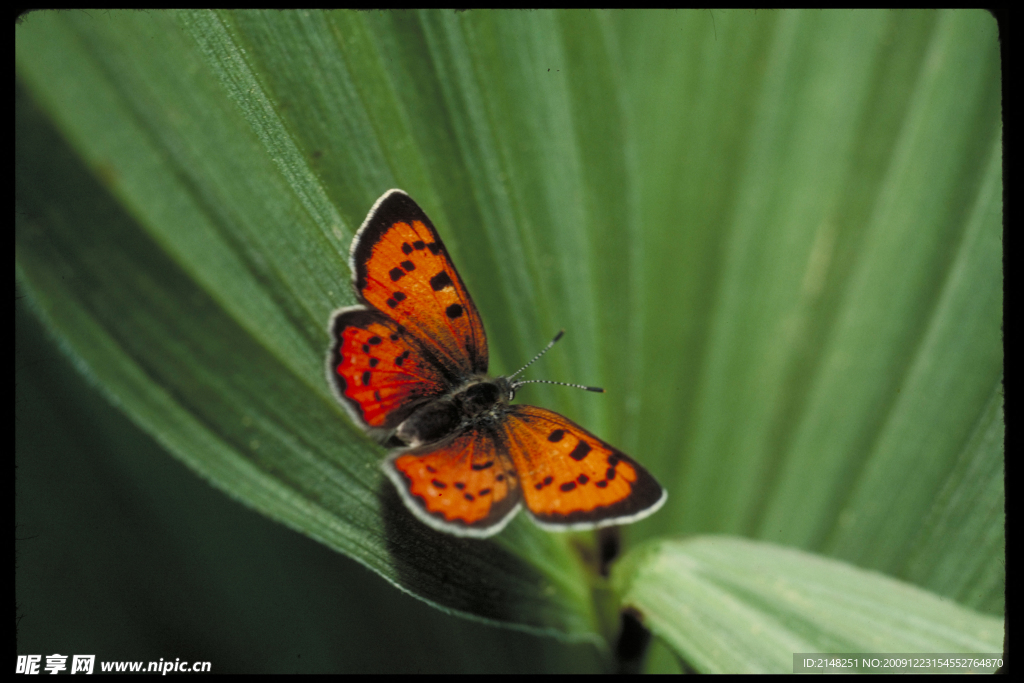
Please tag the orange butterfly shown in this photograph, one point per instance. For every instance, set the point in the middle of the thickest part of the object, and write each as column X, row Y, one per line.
column 410, row 366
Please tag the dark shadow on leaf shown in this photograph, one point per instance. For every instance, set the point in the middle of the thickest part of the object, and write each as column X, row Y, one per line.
column 475, row 576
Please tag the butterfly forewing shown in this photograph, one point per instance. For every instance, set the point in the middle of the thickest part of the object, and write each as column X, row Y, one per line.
column 466, row 485
column 572, row 479
column 401, row 268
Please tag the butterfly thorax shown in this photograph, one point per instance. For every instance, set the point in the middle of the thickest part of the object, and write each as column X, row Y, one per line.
column 481, row 398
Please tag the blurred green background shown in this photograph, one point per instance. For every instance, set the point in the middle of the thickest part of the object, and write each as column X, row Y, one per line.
column 773, row 237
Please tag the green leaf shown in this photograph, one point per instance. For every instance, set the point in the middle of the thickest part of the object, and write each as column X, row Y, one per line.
column 729, row 605
column 196, row 287
column 773, row 237
column 822, row 212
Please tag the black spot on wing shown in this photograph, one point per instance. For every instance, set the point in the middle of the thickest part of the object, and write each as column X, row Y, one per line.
column 395, row 299
column 440, row 281
column 581, row 451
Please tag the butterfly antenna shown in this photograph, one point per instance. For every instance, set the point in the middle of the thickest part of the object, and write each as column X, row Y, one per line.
column 521, row 382
column 516, row 385
column 535, row 358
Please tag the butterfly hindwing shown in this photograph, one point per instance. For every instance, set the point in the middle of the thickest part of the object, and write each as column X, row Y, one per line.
column 401, row 268
column 466, row 485
column 378, row 371
column 571, row 479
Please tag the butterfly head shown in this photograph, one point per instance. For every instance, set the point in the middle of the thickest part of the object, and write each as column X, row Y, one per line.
column 478, row 397
column 507, row 387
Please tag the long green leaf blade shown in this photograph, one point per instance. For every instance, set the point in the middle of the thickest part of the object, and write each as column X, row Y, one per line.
column 732, row 605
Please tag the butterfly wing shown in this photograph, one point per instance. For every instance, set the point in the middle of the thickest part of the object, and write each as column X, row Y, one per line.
column 573, row 480
column 417, row 334
column 465, row 485
column 378, row 371
column 401, row 268
column 472, row 483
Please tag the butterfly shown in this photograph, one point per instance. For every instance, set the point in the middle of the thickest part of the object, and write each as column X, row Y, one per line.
column 409, row 364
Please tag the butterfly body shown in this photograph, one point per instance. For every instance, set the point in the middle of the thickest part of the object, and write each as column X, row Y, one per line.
column 478, row 401
column 409, row 364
